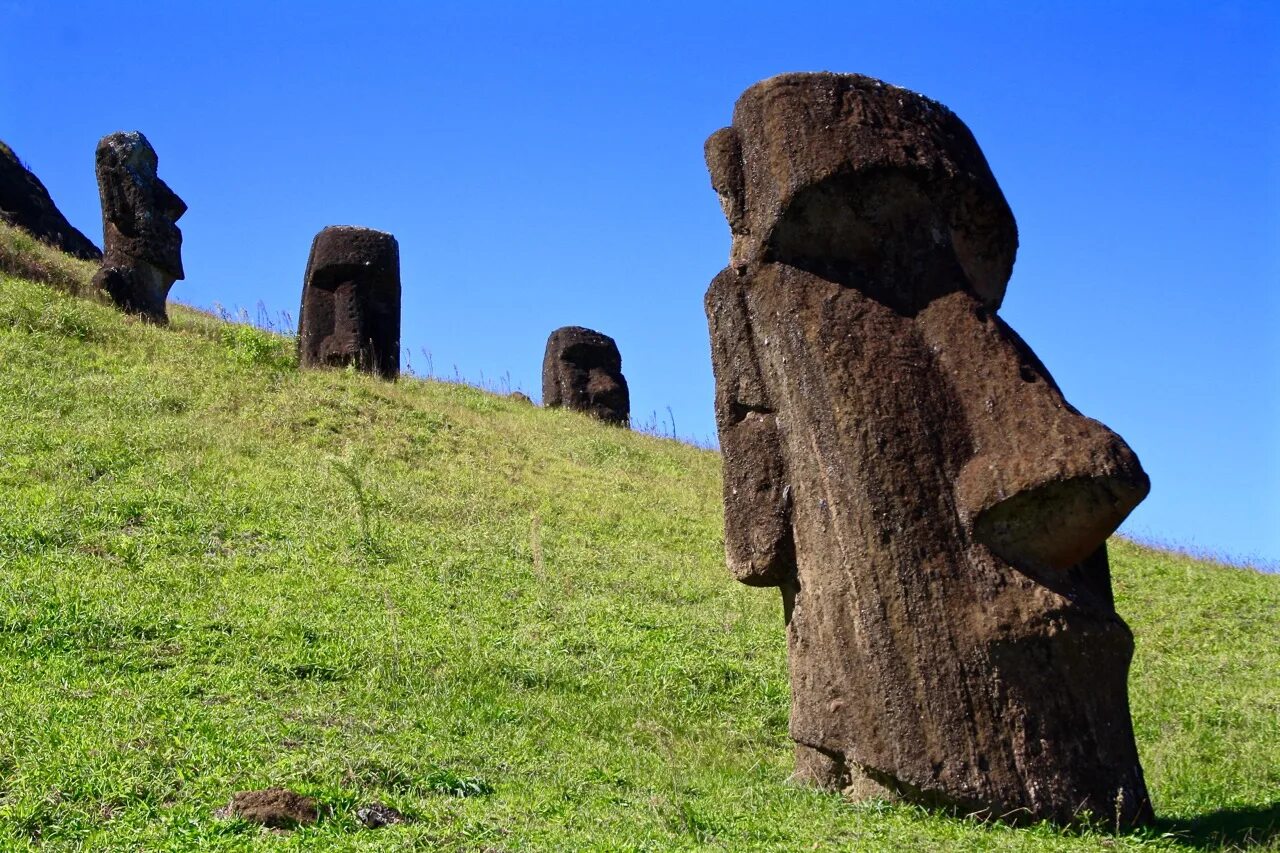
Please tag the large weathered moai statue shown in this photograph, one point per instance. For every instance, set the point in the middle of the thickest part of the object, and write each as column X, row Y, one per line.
column 142, row 246
column 582, row 370
column 905, row 469
column 350, row 311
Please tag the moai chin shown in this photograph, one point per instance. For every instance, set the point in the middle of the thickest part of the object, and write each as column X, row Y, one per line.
column 582, row 370
column 350, row 311
column 905, row 469
column 142, row 246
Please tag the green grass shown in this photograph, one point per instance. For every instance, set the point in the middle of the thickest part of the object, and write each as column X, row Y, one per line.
column 23, row 255
column 514, row 625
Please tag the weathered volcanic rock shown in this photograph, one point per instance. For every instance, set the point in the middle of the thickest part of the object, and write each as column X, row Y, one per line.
column 905, row 469
column 377, row 815
column 582, row 370
column 351, row 302
column 25, row 202
column 142, row 246
column 278, row 808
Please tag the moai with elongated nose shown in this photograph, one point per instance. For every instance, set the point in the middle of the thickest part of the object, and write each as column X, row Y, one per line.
column 905, row 469
column 142, row 246
column 582, row 370
column 350, row 311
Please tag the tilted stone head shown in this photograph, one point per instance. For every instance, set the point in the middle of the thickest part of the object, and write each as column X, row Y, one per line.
column 350, row 311
column 905, row 469
column 142, row 246
column 857, row 180
column 582, row 370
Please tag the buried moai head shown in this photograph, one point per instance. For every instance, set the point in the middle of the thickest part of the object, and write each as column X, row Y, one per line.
column 142, row 246
column 901, row 464
column 350, row 311
column 582, row 370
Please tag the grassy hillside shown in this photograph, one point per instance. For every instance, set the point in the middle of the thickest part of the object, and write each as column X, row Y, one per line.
column 514, row 625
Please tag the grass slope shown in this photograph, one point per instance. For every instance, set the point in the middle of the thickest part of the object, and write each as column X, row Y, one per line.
column 514, row 625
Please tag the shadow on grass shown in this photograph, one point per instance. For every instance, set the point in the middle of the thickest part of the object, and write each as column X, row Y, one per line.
column 1236, row 828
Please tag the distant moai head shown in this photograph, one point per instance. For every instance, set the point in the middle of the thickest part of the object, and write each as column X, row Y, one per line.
column 901, row 464
column 350, row 311
column 142, row 246
column 582, row 370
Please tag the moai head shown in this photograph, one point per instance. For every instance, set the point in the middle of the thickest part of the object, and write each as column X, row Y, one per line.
column 901, row 464
column 350, row 311
column 582, row 370
column 142, row 246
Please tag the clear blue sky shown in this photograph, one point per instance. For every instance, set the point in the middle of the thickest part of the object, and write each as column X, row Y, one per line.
column 541, row 165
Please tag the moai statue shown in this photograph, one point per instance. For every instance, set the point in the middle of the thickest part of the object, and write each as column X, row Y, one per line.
column 905, row 469
column 582, row 370
column 350, row 311
column 142, row 246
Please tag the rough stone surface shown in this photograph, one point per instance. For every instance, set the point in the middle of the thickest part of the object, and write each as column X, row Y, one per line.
column 142, row 246
column 582, row 370
column 25, row 202
column 905, row 469
column 350, row 311
column 278, row 808
column 377, row 815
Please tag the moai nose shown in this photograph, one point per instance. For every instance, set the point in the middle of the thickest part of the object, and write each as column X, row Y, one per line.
column 1051, row 506
column 1045, row 485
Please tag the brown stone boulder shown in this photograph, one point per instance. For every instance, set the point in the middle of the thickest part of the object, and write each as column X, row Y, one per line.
column 350, row 311
column 142, row 246
column 582, row 370
column 904, row 468
column 278, row 808
column 25, row 202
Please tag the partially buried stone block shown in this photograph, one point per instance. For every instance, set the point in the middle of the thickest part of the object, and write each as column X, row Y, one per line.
column 901, row 465
column 582, row 370
column 350, row 311
column 142, row 246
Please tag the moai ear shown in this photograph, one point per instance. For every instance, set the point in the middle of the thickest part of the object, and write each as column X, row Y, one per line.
column 759, row 545
column 723, row 151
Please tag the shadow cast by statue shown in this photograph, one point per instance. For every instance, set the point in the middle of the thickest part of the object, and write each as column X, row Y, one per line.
column 1236, row 828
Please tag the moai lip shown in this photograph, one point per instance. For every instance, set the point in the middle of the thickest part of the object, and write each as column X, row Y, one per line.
column 582, row 370
column 901, row 465
column 350, row 311
column 142, row 246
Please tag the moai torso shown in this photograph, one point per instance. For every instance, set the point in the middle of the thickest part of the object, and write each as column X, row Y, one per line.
column 582, row 370
column 142, row 246
column 904, row 468
column 350, row 311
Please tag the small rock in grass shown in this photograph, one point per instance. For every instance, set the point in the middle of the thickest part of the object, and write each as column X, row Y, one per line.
column 377, row 815
column 278, row 808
